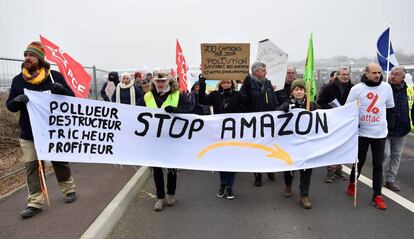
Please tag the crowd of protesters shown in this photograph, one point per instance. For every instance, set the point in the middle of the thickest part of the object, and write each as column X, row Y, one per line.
column 257, row 94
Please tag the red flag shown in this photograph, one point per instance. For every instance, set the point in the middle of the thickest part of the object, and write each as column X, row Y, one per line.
column 172, row 72
column 76, row 77
column 181, row 67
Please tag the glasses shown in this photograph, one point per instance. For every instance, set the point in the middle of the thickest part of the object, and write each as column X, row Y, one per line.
column 160, row 81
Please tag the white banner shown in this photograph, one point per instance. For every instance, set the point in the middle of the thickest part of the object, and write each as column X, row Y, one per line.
column 276, row 62
column 89, row 131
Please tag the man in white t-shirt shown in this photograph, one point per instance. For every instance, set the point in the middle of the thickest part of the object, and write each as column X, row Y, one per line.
column 374, row 97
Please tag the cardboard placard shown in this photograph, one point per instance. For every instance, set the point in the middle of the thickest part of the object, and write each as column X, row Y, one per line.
column 225, row 61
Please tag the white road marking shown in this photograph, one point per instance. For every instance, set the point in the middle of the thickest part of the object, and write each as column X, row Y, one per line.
column 385, row 191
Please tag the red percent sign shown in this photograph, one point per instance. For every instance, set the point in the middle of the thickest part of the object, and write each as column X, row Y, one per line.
column 372, row 108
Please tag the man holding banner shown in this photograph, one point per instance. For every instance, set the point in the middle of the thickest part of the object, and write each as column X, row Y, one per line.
column 36, row 75
column 260, row 97
column 374, row 97
column 165, row 94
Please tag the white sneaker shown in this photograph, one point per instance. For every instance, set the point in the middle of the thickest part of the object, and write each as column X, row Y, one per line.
column 171, row 200
column 159, row 205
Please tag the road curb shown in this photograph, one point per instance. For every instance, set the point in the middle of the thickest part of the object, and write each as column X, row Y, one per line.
column 105, row 222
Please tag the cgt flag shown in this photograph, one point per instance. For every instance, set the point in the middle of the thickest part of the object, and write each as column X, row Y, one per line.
column 385, row 53
column 308, row 75
column 181, row 68
column 76, row 77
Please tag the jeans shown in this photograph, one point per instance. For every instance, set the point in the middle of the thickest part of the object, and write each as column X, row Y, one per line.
column 394, row 146
column 305, row 179
column 377, row 148
column 227, row 178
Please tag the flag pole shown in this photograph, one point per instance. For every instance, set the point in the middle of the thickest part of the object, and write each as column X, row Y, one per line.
column 308, row 100
column 356, row 182
column 389, row 51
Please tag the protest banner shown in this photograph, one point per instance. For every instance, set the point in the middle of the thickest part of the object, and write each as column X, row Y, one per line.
column 82, row 130
column 225, row 61
column 276, row 62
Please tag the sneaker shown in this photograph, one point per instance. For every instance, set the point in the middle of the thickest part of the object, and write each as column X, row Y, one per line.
column 70, row 197
column 392, row 186
column 330, row 177
column 288, row 191
column 171, row 200
column 341, row 175
column 271, row 176
column 351, row 189
column 379, row 202
column 30, row 212
column 230, row 194
column 159, row 205
column 305, row 202
column 222, row 191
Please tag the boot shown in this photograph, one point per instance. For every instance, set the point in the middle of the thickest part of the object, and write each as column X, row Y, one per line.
column 306, row 203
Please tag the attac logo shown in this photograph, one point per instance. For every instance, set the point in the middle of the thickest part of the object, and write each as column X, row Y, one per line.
column 372, row 108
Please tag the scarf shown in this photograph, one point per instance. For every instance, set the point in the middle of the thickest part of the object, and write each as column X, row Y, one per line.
column 259, row 81
column 38, row 77
column 131, row 87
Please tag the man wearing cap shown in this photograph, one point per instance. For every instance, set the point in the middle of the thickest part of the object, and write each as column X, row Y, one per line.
column 36, row 75
column 165, row 94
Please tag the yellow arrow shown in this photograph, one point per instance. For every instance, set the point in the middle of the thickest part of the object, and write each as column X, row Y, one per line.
column 275, row 152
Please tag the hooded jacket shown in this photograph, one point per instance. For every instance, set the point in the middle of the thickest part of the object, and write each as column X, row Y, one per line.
column 115, row 76
column 183, row 105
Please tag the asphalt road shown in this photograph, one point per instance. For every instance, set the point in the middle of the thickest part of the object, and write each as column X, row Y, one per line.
column 97, row 185
column 264, row 212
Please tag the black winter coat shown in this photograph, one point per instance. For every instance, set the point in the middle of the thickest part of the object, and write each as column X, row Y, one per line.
column 283, row 95
column 259, row 98
column 331, row 92
column 17, row 88
column 398, row 119
column 223, row 101
column 125, row 96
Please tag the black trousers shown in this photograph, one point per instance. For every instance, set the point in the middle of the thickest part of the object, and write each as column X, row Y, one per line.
column 377, row 149
column 305, row 180
column 159, row 181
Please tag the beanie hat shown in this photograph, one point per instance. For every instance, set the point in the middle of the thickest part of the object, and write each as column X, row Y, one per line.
column 37, row 49
column 298, row 83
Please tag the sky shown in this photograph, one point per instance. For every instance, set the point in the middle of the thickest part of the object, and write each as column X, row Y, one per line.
column 128, row 34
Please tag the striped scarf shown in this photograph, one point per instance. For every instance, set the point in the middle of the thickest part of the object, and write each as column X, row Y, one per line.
column 38, row 77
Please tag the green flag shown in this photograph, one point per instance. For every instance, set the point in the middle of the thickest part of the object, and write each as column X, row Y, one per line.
column 309, row 76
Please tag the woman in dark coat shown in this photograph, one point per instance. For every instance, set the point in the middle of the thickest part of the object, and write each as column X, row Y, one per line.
column 224, row 100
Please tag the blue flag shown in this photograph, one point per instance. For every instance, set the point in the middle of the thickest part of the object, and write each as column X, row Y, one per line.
column 382, row 51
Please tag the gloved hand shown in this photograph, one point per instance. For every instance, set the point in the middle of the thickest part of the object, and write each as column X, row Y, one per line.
column 286, row 106
column 57, row 88
column 21, row 99
column 171, row 109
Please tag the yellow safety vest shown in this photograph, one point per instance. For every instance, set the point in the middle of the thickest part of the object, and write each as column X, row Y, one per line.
column 410, row 94
column 172, row 100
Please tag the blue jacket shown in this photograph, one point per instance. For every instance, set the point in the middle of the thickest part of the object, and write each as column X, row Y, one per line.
column 398, row 118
